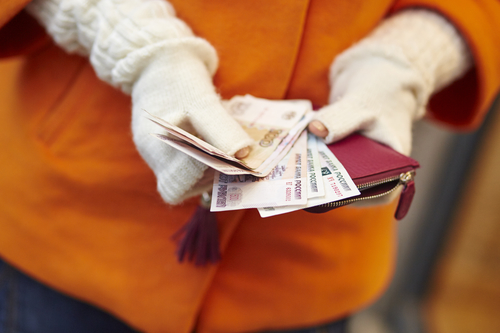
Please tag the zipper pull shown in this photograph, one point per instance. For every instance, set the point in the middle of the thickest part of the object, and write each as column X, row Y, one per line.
column 407, row 195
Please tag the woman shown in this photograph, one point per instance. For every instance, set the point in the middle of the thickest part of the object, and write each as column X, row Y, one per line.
column 81, row 212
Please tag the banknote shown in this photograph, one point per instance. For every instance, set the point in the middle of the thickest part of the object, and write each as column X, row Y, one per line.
column 267, row 122
column 179, row 135
column 338, row 184
column 285, row 185
column 315, row 185
column 285, row 145
column 217, row 163
column 274, row 126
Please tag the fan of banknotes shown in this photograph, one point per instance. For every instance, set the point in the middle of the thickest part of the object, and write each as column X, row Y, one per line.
column 287, row 168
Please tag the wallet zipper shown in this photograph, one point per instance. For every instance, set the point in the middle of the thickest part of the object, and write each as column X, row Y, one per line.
column 404, row 178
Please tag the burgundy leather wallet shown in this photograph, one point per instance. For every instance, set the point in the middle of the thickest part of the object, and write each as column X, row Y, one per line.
column 376, row 169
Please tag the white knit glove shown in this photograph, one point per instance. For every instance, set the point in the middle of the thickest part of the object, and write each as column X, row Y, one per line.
column 178, row 88
column 142, row 48
column 382, row 84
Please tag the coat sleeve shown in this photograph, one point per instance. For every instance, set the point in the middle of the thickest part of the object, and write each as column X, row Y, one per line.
column 19, row 32
column 9, row 9
column 464, row 103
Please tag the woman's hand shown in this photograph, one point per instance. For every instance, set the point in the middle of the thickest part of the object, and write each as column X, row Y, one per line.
column 382, row 84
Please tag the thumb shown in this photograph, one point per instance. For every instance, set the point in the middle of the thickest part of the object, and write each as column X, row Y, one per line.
column 343, row 118
column 221, row 130
column 317, row 128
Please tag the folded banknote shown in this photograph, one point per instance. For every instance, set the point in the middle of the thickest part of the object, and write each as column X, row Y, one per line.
column 274, row 126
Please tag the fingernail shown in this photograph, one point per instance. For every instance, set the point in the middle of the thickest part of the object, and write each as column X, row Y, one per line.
column 318, row 125
column 242, row 152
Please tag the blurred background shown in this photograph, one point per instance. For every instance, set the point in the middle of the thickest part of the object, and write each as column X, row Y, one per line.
column 447, row 277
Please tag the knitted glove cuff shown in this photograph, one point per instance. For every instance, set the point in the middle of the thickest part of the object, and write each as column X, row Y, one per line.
column 418, row 39
column 121, row 37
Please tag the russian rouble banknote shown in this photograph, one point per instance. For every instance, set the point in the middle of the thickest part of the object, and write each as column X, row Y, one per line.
column 309, row 176
column 287, row 168
column 274, row 126
column 331, row 176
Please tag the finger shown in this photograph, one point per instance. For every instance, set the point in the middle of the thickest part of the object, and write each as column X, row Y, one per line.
column 242, row 153
column 207, row 179
column 347, row 116
column 220, row 129
column 317, row 128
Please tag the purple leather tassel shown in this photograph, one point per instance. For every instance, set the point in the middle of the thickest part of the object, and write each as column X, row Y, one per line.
column 200, row 237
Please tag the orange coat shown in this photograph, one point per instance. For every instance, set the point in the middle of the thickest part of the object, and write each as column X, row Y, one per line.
column 80, row 212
